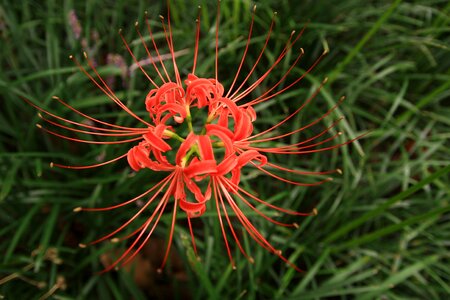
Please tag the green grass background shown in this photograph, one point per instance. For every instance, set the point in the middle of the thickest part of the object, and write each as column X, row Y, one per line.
column 383, row 229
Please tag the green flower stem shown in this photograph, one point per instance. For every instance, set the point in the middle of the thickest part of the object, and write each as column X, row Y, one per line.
column 187, row 158
column 173, row 135
column 189, row 119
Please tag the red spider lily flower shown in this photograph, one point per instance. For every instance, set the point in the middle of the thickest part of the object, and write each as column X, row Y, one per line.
column 202, row 162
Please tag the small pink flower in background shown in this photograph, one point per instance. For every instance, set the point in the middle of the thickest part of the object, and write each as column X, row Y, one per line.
column 74, row 24
column 203, row 158
column 117, row 61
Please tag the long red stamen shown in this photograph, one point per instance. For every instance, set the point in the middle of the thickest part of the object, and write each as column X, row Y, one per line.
column 254, row 233
column 150, row 57
column 264, row 97
column 123, row 133
column 282, row 79
column 287, row 211
column 244, row 221
column 164, row 201
column 290, row 181
column 217, row 43
column 292, row 115
column 168, row 36
column 112, row 96
column 122, row 128
column 197, row 40
column 260, row 212
column 160, row 208
column 216, row 196
column 313, row 137
column 169, row 241
column 111, row 234
column 303, row 172
column 231, row 227
column 258, row 59
column 170, row 43
column 80, row 124
column 294, row 150
column 191, row 232
column 328, row 148
column 112, row 207
column 247, row 44
column 282, row 55
column 136, row 61
column 161, row 61
column 88, row 141
column 52, row 164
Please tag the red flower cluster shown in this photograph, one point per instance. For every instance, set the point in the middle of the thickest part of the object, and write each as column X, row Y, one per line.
column 204, row 157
